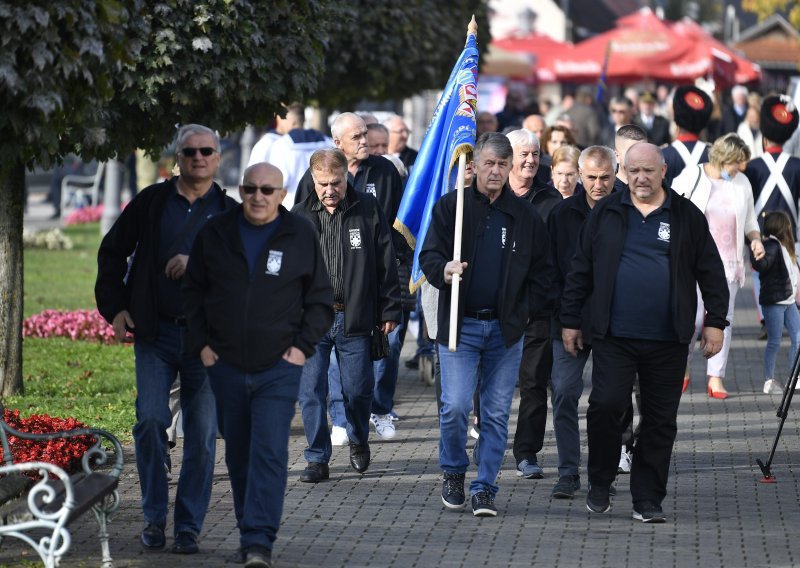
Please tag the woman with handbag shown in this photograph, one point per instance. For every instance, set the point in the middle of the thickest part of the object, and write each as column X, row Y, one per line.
column 724, row 194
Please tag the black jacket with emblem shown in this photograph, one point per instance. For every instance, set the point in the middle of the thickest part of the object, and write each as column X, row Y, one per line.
column 250, row 320
column 526, row 268
column 371, row 285
column 694, row 260
column 121, row 286
column 776, row 283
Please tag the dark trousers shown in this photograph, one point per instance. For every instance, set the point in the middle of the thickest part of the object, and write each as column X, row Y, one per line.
column 660, row 366
column 534, row 375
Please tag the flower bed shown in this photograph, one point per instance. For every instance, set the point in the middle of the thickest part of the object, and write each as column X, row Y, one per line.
column 65, row 453
column 85, row 325
column 89, row 214
column 52, row 239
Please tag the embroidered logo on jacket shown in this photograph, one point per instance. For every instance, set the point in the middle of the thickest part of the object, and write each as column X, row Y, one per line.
column 370, row 188
column 274, row 262
column 663, row 232
column 355, row 239
column 503, row 237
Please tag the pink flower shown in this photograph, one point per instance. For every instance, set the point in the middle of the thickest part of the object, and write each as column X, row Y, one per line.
column 84, row 325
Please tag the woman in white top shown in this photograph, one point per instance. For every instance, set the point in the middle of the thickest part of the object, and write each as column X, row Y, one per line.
column 724, row 194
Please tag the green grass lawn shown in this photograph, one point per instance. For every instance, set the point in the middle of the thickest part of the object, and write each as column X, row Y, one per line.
column 92, row 382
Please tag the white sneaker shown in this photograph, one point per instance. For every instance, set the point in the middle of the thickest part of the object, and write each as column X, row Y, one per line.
column 625, row 460
column 339, row 436
column 772, row 386
column 384, row 426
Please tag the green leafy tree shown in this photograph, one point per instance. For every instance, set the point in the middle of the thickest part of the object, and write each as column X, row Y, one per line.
column 765, row 8
column 100, row 77
column 396, row 48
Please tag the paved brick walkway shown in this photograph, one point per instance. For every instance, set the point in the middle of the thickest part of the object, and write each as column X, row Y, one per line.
column 719, row 515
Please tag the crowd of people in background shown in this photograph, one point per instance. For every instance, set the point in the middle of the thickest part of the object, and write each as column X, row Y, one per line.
column 577, row 221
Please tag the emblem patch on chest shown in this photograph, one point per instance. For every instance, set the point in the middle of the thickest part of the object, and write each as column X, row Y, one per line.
column 663, row 232
column 274, row 262
column 355, row 239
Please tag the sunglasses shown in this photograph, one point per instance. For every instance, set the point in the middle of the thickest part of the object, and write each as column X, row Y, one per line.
column 264, row 189
column 192, row 152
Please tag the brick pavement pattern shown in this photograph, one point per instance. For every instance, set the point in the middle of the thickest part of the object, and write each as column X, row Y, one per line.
column 718, row 513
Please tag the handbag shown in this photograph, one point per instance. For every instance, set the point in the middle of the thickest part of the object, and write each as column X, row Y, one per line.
column 379, row 344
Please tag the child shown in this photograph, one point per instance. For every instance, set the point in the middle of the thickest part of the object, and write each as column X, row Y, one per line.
column 778, row 289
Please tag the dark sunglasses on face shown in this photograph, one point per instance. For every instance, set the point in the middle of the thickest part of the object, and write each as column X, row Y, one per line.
column 190, row 152
column 264, row 189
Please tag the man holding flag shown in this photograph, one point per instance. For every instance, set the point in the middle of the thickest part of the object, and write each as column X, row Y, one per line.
column 504, row 281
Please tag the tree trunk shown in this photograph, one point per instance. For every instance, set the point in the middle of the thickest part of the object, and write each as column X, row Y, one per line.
column 12, row 201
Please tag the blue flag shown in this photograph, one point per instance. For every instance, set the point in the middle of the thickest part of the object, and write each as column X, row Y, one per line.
column 451, row 133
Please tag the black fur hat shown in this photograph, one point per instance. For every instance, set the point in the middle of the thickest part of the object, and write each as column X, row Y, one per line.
column 778, row 118
column 691, row 108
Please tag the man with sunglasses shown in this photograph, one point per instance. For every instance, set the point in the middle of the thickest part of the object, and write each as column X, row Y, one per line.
column 357, row 247
column 141, row 262
column 257, row 299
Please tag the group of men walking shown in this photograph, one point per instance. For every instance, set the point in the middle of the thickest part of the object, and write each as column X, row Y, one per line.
column 248, row 301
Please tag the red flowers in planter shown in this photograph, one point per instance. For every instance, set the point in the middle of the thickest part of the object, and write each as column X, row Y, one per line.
column 86, row 325
column 66, row 453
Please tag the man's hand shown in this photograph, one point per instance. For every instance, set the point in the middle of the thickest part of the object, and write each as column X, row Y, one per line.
column 208, row 356
column 176, row 266
column 573, row 340
column 121, row 320
column 453, row 267
column 294, row 356
column 711, row 341
column 388, row 327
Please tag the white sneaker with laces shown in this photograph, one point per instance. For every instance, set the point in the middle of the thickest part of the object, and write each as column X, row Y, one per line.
column 624, row 461
column 772, row 386
column 339, row 436
column 384, row 426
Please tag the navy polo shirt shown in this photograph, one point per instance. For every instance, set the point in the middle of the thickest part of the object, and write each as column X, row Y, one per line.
column 641, row 306
column 177, row 212
column 255, row 238
column 490, row 250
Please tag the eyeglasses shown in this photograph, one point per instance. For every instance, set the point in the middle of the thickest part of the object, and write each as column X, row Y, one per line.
column 264, row 189
column 190, row 152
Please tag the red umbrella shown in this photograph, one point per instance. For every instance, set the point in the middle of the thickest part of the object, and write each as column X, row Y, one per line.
column 745, row 71
column 642, row 47
column 539, row 47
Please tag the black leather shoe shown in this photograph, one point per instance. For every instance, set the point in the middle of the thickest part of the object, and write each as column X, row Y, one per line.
column 359, row 457
column 315, row 472
column 185, row 543
column 152, row 537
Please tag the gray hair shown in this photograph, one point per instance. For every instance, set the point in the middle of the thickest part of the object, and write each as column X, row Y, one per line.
column 190, row 130
column 379, row 127
column 600, row 154
column 328, row 159
column 522, row 137
column 496, row 142
column 339, row 123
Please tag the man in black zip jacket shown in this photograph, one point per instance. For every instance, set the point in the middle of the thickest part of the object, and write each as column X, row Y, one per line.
column 506, row 274
column 139, row 267
column 357, row 248
column 257, row 299
column 640, row 257
column 596, row 167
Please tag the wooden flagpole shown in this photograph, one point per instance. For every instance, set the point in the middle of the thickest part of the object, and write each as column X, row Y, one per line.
column 462, row 166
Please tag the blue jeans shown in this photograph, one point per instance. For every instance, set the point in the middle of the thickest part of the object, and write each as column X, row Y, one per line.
column 567, row 387
column 355, row 367
column 255, row 412
column 386, row 370
column 157, row 365
column 775, row 317
column 335, row 396
column 481, row 346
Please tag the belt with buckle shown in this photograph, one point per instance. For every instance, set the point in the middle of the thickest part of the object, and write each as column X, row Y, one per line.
column 181, row 322
column 338, row 307
column 484, row 315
